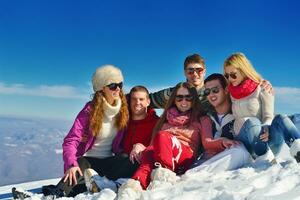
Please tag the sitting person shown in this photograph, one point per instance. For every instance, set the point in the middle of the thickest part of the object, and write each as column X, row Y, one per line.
column 80, row 145
column 176, row 140
column 253, row 109
column 130, row 143
column 234, row 155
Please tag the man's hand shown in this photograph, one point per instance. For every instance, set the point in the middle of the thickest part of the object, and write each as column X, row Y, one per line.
column 70, row 175
column 136, row 152
column 266, row 85
column 227, row 143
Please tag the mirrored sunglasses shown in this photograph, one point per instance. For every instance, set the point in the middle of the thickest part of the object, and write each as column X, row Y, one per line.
column 181, row 97
column 114, row 86
column 215, row 90
column 191, row 71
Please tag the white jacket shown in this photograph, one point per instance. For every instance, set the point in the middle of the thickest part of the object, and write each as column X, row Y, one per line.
column 259, row 104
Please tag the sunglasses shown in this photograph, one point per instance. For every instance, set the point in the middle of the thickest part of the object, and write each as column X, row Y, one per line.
column 231, row 75
column 213, row 90
column 191, row 71
column 180, row 97
column 114, row 86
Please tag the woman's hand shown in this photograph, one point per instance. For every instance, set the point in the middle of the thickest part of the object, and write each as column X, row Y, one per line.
column 227, row 143
column 70, row 175
column 136, row 152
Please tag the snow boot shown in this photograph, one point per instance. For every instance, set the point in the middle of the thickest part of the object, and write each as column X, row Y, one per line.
column 131, row 190
column 162, row 177
column 52, row 190
column 95, row 183
column 19, row 193
column 89, row 178
column 295, row 150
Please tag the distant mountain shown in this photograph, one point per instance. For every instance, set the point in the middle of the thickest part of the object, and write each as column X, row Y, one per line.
column 30, row 149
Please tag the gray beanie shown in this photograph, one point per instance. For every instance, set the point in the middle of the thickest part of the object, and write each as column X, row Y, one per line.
column 106, row 75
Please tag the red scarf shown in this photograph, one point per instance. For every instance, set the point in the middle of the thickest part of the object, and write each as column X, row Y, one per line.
column 174, row 117
column 242, row 90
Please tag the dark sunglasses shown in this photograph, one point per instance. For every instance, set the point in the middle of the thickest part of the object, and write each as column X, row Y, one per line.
column 114, row 86
column 181, row 97
column 191, row 71
column 231, row 75
column 213, row 90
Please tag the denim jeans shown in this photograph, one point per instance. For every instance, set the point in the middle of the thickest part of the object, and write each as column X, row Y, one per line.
column 249, row 136
column 296, row 120
column 282, row 130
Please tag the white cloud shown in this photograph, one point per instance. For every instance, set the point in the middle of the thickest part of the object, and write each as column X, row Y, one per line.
column 54, row 91
column 287, row 99
column 287, row 95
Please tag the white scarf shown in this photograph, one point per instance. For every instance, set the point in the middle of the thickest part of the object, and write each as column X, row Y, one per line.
column 110, row 111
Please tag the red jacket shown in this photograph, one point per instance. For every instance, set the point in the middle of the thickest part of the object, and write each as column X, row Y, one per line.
column 139, row 131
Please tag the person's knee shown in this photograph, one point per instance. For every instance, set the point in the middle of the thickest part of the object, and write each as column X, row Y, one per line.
column 161, row 138
column 253, row 125
column 260, row 148
column 238, row 151
column 240, row 154
column 253, row 122
column 279, row 118
column 83, row 163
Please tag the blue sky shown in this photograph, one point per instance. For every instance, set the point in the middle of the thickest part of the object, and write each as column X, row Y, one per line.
column 50, row 49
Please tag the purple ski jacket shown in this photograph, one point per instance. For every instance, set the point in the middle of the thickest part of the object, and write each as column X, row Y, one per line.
column 80, row 139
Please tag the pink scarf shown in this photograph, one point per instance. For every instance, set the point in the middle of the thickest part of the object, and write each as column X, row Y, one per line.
column 246, row 88
column 174, row 117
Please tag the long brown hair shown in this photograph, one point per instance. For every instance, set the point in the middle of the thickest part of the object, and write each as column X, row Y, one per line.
column 96, row 114
column 196, row 109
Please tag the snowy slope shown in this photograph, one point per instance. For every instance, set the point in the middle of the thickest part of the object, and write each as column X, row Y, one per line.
column 277, row 182
column 36, row 185
column 30, row 149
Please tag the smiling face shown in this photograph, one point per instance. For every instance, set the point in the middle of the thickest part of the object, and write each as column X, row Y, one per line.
column 234, row 75
column 111, row 95
column 217, row 94
column 183, row 100
column 139, row 102
column 195, row 73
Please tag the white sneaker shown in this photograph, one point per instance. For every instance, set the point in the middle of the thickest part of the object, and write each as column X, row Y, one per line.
column 295, row 150
column 130, row 190
column 162, row 177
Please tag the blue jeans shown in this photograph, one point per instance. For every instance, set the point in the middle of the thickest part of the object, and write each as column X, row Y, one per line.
column 282, row 130
column 296, row 120
column 249, row 136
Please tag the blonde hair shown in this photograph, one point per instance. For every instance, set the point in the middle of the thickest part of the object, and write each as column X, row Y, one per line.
column 240, row 62
column 96, row 114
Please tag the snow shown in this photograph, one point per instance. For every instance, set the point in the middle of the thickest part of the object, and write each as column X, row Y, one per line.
column 276, row 182
column 30, row 149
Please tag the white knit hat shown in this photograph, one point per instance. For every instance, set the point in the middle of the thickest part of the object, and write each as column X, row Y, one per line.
column 106, row 75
